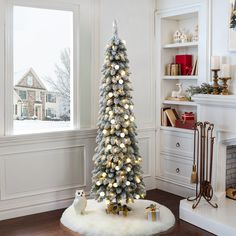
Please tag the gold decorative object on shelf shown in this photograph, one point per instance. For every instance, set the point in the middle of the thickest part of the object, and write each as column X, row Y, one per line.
column 215, row 80
column 225, row 90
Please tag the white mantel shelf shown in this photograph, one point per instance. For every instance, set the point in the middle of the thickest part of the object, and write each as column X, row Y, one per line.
column 216, row 100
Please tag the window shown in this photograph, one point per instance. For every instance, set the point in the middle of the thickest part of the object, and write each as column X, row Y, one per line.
column 44, row 53
column 23, row 94
column 51, row 98
column 30, row 81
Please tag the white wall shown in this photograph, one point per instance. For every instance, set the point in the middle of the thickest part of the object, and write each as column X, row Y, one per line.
column 136, row 27
column 220, row 25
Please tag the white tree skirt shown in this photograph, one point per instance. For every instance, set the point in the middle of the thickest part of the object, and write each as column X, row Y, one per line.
column 97, row 223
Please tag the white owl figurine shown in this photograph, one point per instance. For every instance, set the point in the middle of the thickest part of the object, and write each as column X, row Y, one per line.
column 80, row 202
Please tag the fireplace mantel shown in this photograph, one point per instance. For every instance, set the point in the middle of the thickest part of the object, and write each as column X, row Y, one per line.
column 217, row 109
column 221, row 111
column 216, row 100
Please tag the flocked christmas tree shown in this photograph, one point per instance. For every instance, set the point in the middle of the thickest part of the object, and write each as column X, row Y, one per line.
column 117, row 175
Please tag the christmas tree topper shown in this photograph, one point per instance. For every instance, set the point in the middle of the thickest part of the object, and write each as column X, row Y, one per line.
column 115, row 28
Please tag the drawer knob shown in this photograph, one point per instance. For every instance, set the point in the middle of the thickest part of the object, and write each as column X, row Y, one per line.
column 177, row 170
column 178, row 144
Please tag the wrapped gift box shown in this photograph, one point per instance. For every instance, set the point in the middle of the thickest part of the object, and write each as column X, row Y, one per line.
column 188, row 116
column 185, row 124
column 153, row 213
column 186, row 63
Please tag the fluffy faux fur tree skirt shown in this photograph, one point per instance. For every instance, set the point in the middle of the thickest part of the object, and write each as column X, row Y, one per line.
column 97, row 223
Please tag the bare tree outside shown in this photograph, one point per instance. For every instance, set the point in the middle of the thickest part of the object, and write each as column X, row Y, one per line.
column 61, row 85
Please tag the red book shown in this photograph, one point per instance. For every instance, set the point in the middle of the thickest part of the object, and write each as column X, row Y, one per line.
column 186, row 63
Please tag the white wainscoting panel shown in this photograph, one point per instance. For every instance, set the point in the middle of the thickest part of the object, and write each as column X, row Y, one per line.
column 146, row 138
column 30, row 173
column 144, row 153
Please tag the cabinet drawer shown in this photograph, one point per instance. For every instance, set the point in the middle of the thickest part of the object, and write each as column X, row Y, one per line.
column 176, row 169
column 177, row 143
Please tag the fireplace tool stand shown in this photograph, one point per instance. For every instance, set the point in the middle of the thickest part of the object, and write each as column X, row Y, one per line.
column 202, row 166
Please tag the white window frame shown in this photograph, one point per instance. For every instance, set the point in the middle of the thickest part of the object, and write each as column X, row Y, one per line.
column 6, row 47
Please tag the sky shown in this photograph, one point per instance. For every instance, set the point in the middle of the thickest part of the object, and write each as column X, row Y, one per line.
column 39, row 37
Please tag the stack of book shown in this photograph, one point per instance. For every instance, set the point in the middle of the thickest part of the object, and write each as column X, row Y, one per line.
column 168, row 116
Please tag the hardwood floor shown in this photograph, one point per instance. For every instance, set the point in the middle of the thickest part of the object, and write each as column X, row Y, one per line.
column 48, row 224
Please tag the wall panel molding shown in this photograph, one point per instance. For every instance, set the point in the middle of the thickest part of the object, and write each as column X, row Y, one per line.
column 33, row 173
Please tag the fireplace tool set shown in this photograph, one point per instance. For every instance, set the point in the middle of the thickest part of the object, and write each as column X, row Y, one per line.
column 202, row 163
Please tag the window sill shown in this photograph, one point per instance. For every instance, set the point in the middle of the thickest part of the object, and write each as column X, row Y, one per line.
column 20, row 139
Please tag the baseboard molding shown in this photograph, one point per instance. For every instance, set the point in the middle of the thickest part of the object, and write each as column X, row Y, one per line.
column 149, row 183
column 35, row 209
column 176, row 189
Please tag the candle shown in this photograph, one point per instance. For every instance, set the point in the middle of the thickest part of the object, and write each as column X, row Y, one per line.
column 215, row 62
column 225, row 71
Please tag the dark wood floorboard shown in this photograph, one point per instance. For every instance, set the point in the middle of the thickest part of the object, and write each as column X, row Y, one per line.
column 48, row 224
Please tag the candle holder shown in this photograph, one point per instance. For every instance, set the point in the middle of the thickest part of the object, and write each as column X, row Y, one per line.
column 215, row 80
column 225, row 90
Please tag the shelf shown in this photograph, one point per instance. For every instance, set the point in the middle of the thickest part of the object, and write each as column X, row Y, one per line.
column 179, row 103
column 183, row 77
column 181, row 45
column 170, row 128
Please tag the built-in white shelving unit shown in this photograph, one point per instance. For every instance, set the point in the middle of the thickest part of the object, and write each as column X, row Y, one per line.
column 175, row 145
